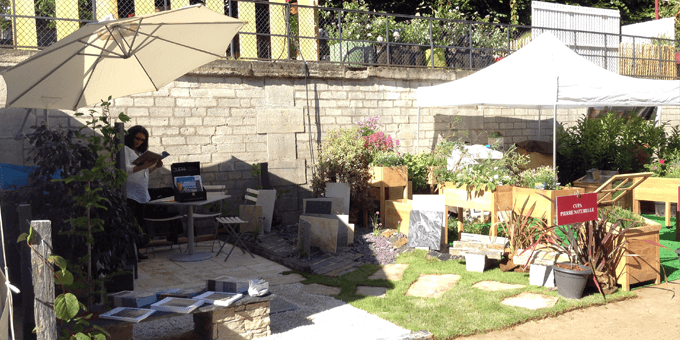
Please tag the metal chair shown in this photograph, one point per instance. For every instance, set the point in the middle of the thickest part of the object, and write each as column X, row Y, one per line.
column 230, row 223
column 153, row 231
column 212, row 216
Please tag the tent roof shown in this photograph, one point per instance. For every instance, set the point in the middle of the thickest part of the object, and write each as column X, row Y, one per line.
column 546, row 72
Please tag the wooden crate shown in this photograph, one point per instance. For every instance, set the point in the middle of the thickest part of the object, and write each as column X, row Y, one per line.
column 396, row 176
column 659, row 190
column 492, row 201
column 645, row 265
column 398, row 211
column 545, row 208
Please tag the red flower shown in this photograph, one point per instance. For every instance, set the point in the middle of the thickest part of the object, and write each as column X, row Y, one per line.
column 662, row 161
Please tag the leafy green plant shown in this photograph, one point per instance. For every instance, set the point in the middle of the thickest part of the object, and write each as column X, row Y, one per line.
column 521, row 229
column 543, row 177
column 66, row 305
column 627, row 218
column 387, row 159
column 610, row 142
column 486, row 174
column 495, row 134
column 342, row 157
column 377, row 225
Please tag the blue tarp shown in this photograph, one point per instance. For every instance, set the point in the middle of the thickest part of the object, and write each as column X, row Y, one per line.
column 11, row 174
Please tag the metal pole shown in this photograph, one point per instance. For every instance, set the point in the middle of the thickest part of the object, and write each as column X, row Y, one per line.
column 94, row 10
column 387, row 35
column 342, row 60
column 470, row 43
column 231, row 44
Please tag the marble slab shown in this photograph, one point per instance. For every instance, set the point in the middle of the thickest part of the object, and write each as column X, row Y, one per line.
column 339, row 190
column 324, row 233
column 425, row 229
column 317, row 207
column 336, row 205
column 305, row 235
column 266, row 199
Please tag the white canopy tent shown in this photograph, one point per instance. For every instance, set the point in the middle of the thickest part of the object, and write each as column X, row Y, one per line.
column 546, row 73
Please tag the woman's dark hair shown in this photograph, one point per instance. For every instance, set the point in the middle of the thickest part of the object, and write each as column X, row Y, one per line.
column 130, row 138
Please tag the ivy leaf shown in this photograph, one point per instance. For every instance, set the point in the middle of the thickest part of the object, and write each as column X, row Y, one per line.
column 65, row 277
column 66, row 306
column 81, row 336
column 22, row 237
column 58, row 260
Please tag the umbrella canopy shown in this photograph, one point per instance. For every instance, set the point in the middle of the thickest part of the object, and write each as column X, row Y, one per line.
column 119, row 58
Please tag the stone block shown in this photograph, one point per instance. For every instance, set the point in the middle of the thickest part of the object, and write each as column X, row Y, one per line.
column 323, row 205
column 324, row 233
column 305, row 235
column 279, row 95
column 340, row 190
column 266, row 200
column 289, row 120
column 245, row 212
column 281, row 147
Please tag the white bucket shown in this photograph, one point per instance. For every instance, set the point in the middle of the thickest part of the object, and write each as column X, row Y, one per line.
column 475, row 262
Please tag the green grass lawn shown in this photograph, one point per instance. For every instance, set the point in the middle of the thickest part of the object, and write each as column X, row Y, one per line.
column 463, row 310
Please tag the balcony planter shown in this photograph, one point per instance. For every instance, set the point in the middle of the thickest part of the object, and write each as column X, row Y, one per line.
column 545, row 208
column 657, row 189
column 571, row 279
column 354, row 53
column 397, row 214
column 393, row 176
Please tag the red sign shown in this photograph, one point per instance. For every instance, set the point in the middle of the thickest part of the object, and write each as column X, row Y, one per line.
column 575, row 209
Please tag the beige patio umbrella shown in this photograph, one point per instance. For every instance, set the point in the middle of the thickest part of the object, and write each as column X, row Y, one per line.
column 119, row 58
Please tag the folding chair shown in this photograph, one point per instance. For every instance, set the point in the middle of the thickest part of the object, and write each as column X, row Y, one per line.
column 212, row 216
column 153, row 231
column 235, row 222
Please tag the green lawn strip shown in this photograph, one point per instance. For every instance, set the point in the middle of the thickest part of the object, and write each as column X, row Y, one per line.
column 668, row 257
column 463, row 310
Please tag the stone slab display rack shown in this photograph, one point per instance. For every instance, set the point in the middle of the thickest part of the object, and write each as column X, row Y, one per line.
column 491, row 246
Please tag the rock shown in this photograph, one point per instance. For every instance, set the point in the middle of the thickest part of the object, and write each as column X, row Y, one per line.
column 387, row 233
column 400, row 242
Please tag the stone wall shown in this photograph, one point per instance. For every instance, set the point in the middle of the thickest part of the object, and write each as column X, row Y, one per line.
column 230, row 115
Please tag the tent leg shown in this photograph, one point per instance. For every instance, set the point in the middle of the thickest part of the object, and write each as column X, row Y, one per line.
column 555, row 136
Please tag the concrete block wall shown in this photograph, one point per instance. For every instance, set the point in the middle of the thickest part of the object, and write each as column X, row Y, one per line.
column 229, row 115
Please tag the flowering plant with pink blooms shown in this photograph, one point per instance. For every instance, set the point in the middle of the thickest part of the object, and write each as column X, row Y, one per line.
column 668, row 167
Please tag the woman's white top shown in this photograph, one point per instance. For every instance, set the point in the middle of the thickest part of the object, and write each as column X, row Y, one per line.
column 137, row 182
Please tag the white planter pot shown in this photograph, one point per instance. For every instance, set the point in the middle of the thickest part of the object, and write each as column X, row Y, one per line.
column 540, row 275
column 475, row 262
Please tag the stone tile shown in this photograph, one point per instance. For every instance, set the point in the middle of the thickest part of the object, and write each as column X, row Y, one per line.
column 318, row 289
column 371, row 291
column 304, row 235
column 392, row 272
column 323, row 205
column 340, row 190
column 425, row 229
column 432, row 286
column 284, row 279
column 494, row 286
column 324, row 233
column 266, row 199
column 531, row 301
column 269, row 268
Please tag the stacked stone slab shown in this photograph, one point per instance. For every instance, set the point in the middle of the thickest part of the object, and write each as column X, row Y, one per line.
column 492, row 247
column 325, row 221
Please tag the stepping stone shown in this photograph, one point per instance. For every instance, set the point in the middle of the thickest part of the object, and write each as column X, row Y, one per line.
column 432, row 286
column 392, row 272
column 531, row 301
column 494, row 286
column 318, row 289
column 284, row 279
column 371, row 291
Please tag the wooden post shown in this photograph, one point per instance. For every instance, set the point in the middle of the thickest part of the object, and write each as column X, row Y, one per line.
column 24, row 211
column 43, row 282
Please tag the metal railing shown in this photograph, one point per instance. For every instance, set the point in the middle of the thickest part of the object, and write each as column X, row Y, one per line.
column 278, row 30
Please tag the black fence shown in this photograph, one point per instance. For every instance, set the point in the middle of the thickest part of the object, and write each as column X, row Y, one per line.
column 289, row 31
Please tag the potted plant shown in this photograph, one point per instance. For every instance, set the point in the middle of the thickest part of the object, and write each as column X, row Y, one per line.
column 533, row 184
column 484, row 186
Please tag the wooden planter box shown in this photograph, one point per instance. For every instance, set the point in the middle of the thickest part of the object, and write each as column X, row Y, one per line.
column 545, row 208
column 398, row 211
column 395, row 176
column 658, row 189
column 492, row 201
column 645, row 266
column 388, row 177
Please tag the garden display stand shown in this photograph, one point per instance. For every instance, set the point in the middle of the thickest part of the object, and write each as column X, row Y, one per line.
column 485, row 200
column 385, row 178
column 660, row 190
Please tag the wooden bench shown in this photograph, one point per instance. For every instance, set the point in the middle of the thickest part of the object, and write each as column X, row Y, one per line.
column 246, row 318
